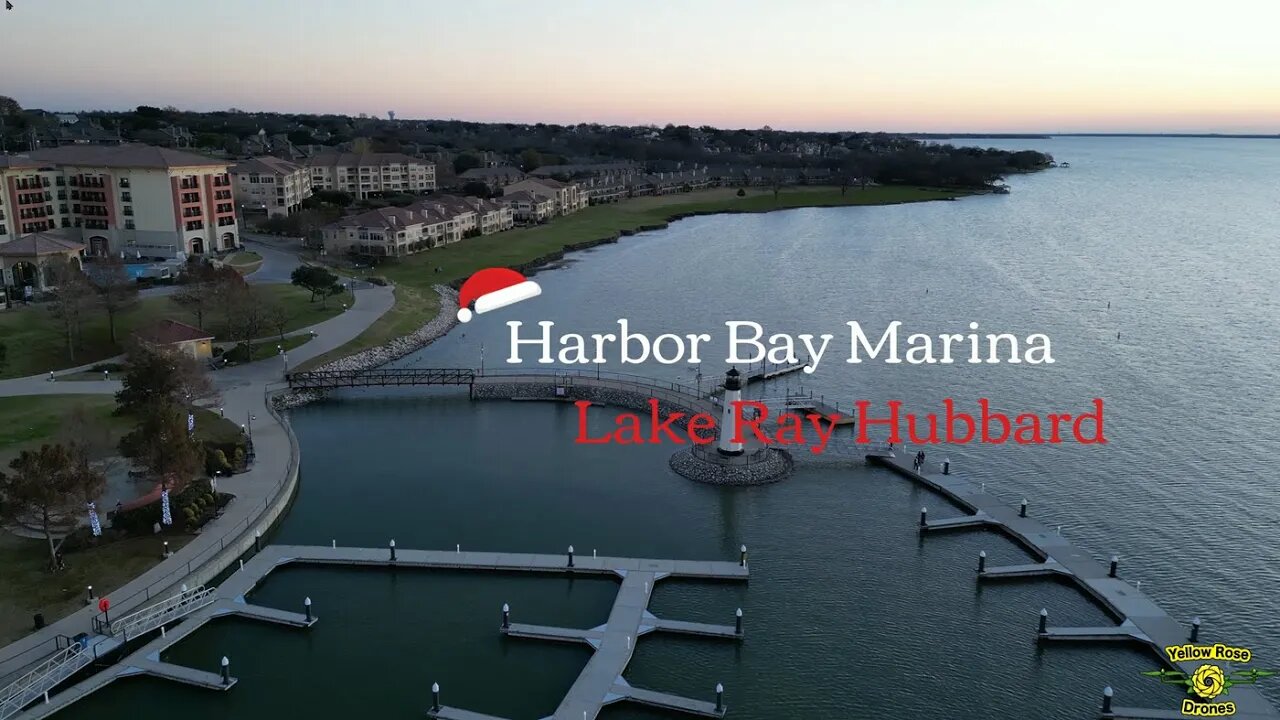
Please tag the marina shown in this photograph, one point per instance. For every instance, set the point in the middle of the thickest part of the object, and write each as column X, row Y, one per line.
column 600, row 682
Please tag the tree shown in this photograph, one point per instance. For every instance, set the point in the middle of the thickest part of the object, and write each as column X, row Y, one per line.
column 72, row 299
column 275, row 316
column 530, row 159
column 300, row 137
column 475, row 188
column 248, row 316
column 465, row 162
column 157, row 375
column 9, row 107
column 162, row 445
column 117, row 292
column 316, row 279
column 47, row 486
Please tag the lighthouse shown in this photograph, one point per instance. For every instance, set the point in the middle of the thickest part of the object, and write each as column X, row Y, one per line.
column 728, row 418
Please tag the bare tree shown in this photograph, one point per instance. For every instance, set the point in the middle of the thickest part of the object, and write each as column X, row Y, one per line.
column 48, row 486
column 275, row 315
column 247, row 316
column 157, row 374
column 117, row 292
column 72, row 299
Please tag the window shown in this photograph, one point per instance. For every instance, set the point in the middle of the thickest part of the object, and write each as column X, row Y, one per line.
column 128, row 224
column 124, row 183
column 75, row 208
column 126, row 197
column 195, row 225
column 62, row 208
column 128, row 210
column 66, row 222
column 60, row 181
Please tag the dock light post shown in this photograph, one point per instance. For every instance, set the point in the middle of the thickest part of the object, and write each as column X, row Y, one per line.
column 435, row 697
column 1044, row 621
column 89, row 600
column 392, row 547
column 506, row 617
column 1195, row 628
column 257, row 541
column 742, row 556
column 226, row 671
column 1022, row 511
column 719, row 698
column 106, row 374
column 982, row 561
column 306, row 603
column 183, row 590
column 570, row 556
column 946, row 466
column 221, row 412
column 1115, row 563
column 1107, row 694
column 51, row 376
column 250, row 425
column 737, row 622
column 165, row 553
column 924, row 516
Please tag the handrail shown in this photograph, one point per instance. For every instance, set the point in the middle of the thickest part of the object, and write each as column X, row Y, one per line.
column 153, row 616
column 23, row 691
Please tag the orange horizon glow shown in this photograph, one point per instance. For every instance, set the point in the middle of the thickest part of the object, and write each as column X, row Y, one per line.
column 994, row 66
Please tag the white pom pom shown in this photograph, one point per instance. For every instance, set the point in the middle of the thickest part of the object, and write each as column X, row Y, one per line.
column 464, row 315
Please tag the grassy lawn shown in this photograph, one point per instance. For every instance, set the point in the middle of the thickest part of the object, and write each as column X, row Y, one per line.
column 416, row 303
column 28, row 421
column 414, row 306
column 265, row 350
column 29, row 587
column 36, row 344
column 245, row 261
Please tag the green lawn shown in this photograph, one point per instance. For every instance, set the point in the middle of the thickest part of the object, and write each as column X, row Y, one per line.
column 29, row 587
column 35, row 342
column 28, row 421
column 416, row 303
column 244, row 261
column 265, row 350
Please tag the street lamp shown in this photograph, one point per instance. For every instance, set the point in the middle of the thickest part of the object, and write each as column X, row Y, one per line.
column 250, row 426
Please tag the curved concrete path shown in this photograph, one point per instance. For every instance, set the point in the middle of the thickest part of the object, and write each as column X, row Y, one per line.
column 244, row 394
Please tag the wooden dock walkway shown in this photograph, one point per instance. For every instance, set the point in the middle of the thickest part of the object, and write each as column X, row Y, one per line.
column 613, row 643
column 1141, row 620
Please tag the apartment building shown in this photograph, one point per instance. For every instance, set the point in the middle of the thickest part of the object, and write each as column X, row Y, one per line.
column 527, row 207
column 567, row 197
column 493, row 177
column 391, row 232
column 271, row 184
column 111, row 198
column 364, row 174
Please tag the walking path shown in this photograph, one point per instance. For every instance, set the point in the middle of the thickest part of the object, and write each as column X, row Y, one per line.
column 244, row 397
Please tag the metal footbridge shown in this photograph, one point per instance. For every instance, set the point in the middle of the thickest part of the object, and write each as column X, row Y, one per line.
column 83, row 650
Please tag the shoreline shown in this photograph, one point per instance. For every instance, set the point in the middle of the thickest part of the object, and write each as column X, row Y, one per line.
column 425, row 334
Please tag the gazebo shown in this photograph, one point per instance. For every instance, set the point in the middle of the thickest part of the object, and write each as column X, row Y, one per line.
column 24, row 262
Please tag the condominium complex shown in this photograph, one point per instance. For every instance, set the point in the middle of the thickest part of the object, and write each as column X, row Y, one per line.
column 109, row 197
column 271, row 184
column 364, row 174
column 429, row 223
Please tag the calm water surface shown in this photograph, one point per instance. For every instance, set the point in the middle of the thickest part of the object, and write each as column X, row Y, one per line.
column 848, row 613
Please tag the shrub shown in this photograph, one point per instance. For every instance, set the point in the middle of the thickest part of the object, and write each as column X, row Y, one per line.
column 377, row 280
column 189, row 514
column 208, row 499
column 742, row 192
column 109, row 367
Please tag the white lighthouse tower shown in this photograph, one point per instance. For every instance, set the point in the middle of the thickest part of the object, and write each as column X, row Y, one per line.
column 729, row 418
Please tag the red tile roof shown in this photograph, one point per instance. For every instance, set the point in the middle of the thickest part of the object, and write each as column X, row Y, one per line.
column 170, row 332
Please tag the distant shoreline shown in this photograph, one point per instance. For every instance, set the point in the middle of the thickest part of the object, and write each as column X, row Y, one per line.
column 1050, row 136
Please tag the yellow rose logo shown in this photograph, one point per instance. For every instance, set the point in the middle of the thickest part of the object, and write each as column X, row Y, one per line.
column 1208, row 681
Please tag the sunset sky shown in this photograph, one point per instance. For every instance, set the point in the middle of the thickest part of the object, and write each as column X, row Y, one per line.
column 897, row 65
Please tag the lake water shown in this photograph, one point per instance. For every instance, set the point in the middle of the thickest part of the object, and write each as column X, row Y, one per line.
column 848, row 613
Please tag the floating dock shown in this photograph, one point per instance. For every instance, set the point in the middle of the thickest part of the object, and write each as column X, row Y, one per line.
column 1140, row 619
column 599, row 684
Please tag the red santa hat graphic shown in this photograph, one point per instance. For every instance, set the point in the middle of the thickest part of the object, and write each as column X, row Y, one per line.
column 493, row 288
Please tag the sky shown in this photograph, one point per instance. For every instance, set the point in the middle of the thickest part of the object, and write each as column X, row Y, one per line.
column 893, row 65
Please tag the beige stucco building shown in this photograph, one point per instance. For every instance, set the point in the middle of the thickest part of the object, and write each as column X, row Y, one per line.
column 137, row 199
column 271, row 184
column 567, row 197
column 364, row 174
